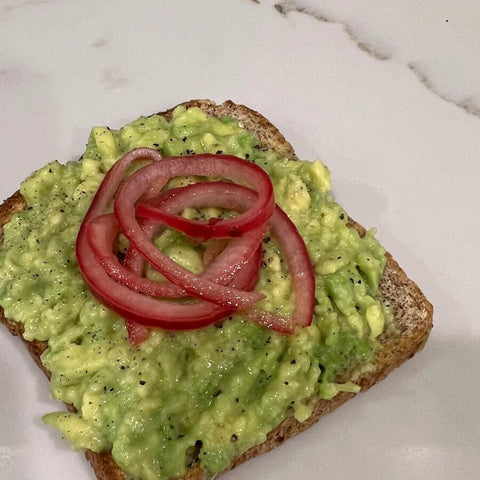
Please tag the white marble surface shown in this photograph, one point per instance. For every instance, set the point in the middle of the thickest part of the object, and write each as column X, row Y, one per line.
column 385, row 92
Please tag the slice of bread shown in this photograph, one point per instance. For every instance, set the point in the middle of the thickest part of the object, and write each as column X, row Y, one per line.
column 412, row 311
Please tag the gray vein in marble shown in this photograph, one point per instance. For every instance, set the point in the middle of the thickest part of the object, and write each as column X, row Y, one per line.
column 289, row 6
column 25, row 3
column 466, row 104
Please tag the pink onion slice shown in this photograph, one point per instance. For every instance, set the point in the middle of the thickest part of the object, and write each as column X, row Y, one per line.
column 282, row 228
column 200, row 165
column 129, row 304
column 101, row 233
column 227, row 277
column 214, row 248
column 103, row 230
column 257, row 213
column 137, row 333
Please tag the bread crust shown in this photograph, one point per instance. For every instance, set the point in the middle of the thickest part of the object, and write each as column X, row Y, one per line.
column 413, row 313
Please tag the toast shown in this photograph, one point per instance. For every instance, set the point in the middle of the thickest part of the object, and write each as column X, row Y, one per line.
column 412, row 311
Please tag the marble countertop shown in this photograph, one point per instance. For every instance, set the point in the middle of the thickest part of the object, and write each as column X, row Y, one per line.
column 386, row 93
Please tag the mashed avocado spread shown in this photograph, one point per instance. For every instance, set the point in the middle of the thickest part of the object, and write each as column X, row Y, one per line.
column 205, row 395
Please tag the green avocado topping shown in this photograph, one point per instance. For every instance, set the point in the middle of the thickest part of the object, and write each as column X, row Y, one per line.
column 200, row 396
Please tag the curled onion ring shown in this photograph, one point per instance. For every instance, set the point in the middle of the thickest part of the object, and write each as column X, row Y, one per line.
column 236, row 197
column 231, row 267
column 103, row 230
column 129, row 304
column 158, row 174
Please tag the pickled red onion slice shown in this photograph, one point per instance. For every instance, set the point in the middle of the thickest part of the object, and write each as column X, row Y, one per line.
column 231, row 270
column 233, row 196
column 103, row 230
column 158, row 173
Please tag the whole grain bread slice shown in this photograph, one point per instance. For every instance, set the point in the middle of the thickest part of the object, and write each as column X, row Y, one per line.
column 412, row 311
